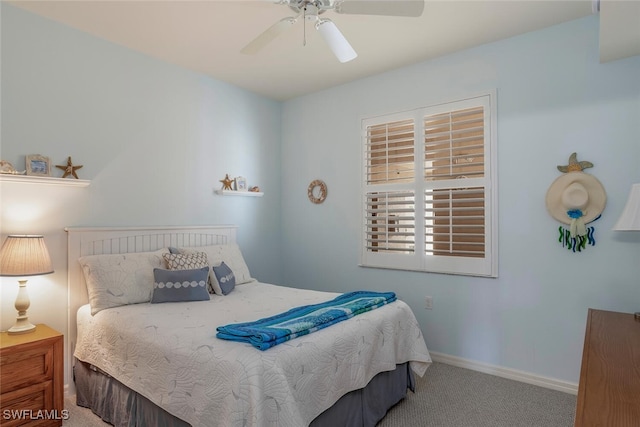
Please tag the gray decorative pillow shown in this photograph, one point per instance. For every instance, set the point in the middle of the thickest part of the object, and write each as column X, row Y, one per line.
column 185, row 261
column 226, row 278
column 180, row 285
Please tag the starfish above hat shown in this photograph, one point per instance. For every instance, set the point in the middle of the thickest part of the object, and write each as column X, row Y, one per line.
column 574, row 165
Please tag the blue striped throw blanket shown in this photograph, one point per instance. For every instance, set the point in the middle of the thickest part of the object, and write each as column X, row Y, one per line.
column 268, row 332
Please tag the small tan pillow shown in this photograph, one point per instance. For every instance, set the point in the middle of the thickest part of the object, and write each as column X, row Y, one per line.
column 190, row 261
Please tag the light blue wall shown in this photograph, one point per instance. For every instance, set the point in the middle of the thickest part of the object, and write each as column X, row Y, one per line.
column 154, row 140
column 554, row 98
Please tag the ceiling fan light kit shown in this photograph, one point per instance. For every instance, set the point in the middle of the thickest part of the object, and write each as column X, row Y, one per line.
column 311, row 9
column 336, row 41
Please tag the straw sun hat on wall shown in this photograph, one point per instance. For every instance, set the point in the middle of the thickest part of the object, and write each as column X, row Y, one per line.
column 576, row 199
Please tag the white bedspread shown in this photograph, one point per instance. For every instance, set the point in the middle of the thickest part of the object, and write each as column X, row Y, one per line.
column 169, row 353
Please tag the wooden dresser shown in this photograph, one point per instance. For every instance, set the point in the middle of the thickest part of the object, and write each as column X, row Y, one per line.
column 31, row 378
column 609, row 389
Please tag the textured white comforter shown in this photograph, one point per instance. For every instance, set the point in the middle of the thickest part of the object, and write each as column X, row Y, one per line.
column 169, row 353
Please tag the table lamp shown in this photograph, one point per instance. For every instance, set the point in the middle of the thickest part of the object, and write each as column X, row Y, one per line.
column 24, row 255
column 630, row 218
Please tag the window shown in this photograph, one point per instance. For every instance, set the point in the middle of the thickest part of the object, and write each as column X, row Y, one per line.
column 430, row 189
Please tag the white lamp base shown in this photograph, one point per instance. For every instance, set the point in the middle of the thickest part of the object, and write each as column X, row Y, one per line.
column 22, row 326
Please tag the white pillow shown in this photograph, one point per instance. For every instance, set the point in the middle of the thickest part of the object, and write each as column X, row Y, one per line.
column 120, row 279
column 216, row 254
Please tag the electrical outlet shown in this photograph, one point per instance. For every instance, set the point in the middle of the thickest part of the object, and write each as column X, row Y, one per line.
column 428, row 302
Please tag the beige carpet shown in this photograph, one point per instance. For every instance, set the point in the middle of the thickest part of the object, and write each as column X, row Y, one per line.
column 457, row 397
column 449, row 396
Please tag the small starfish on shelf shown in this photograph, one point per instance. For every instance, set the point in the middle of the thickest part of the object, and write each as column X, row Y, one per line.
column 226, row 182
column 69, row 169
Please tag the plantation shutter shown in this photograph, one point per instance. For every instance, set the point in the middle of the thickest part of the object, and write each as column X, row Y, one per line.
column 390, row 202
column 429, row 189
column 454, row 202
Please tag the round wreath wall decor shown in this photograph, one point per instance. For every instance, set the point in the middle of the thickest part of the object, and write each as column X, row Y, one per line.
column 317, row 191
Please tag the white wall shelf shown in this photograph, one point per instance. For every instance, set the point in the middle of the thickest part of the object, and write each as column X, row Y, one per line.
column 239, row 193
column 44, row 180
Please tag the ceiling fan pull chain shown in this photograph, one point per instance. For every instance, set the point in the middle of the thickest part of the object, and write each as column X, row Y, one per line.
column 304, row 26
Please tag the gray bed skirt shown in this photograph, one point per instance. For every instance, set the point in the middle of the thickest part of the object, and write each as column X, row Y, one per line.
column 123, row 407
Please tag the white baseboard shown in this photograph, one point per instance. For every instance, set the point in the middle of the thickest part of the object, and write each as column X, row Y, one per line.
column 508, row 373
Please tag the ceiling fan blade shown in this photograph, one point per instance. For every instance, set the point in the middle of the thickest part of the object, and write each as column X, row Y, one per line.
column 410, row 8
column 336, row 41
column 266, row 37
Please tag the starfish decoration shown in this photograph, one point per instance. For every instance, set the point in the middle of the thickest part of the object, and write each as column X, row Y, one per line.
column 226, row 182
column 69, row 169
column 574, row 165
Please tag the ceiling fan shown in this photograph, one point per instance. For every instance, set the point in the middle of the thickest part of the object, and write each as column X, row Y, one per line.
column 310, row 10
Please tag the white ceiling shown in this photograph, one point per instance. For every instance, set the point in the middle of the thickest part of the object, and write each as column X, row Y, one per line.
column 206, row 36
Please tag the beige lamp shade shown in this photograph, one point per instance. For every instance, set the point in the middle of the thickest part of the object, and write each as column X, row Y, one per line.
column 24, row 255
column 630, row 218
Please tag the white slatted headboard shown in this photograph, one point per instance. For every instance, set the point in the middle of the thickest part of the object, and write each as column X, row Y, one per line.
column 84, row 241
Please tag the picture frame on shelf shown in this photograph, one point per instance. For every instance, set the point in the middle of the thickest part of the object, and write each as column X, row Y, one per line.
column 38, row 165
column 241, row 183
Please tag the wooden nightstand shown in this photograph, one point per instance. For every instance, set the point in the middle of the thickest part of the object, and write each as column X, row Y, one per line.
column 31, row 378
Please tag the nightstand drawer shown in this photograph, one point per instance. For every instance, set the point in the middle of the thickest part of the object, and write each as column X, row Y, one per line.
column 32, row 365
column 31, row 378
column 29, row 406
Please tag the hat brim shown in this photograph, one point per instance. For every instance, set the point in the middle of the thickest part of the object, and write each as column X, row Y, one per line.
column 597, row 196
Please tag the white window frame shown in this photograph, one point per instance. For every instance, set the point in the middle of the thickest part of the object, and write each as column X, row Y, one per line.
column 419, row 260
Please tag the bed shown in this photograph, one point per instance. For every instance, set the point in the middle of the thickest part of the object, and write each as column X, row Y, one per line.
column 161, row 364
